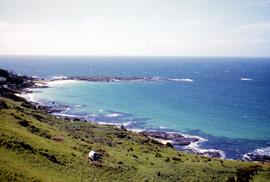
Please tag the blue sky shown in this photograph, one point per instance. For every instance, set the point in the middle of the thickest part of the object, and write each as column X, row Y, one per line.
column 135, row 27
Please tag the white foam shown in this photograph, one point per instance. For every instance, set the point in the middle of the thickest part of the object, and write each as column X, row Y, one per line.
column 246, row 79
column 135, row 130
column 107, row 123
column 195, row 147
column 113, row 115
column 156, row 78
column 259, row 152
column 113, row 123
column 27, row 96
column 263, row 151
column 41, row 83
column 59, row 77
column 60, row 82
column 181, row 79
column 64, row 115
column 115, row 80
column 127, row 123
column 35, row 76
column 162, row 127
column 68, row 109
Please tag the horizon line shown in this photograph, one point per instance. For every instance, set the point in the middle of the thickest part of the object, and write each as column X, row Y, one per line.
column 142, row 56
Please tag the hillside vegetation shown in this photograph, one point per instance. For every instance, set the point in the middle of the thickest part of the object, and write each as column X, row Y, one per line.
column 36, row 146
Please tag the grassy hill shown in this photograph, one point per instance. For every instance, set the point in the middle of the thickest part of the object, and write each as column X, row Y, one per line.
column 36, row 146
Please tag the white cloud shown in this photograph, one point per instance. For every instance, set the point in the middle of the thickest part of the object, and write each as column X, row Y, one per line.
column 260, row 26
column 11, row 27
column 197, row 22
column 256, row 32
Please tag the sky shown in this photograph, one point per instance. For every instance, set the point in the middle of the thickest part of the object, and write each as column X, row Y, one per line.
column 135, row 27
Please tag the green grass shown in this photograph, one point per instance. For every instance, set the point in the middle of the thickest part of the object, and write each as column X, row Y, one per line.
column 29, row 153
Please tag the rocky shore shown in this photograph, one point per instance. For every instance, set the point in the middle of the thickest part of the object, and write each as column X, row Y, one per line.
column 122, row 79
column 185, row 143
column 11, row 85
column 261, row 155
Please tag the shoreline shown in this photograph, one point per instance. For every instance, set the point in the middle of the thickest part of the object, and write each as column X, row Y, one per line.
column 192, row 143
column 178, row 140
column 120, row 79
column 187, row 143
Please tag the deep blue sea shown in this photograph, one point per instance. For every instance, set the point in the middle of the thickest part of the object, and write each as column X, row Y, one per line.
column 225, row 100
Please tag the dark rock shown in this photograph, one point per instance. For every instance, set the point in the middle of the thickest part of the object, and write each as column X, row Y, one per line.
column 208, row 154
column 167, row 159
column 24, row 123
column 4, row 73
column 34, row 129
column 45, row 134
column 26, row 146
column 214, row 154
column 184, row 141
column 176, row 159
column 135, row 156
column 38, row 117
column 163, row 135
column 97, row 164
column 177, row 139
column 52, row 158
column 123, row 128
column 159, row 134
column 103, row 140
column 28, row 105
column 121, row 134
column 257, row 157
column 156, row 142
column 10, row 93
column 18, row 145
column 168, row 144
column 3, row 105
column 10, row 84
column 246, row 173
column 12, row 79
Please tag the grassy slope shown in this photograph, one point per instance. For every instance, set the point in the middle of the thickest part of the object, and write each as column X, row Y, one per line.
column 28, row 153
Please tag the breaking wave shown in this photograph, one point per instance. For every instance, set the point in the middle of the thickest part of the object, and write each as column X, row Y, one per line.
column 262, row 154
column 246, row 79
column 181, row 79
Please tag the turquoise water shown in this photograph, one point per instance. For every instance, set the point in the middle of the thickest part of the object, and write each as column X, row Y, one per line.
column 165, row 104
column 225, row 100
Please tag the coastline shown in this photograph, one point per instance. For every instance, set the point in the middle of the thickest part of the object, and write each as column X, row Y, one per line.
column 179, row 141
column 38, row 146
column 176, row 140
column 185, row 142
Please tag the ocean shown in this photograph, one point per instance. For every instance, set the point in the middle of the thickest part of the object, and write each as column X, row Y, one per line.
column 226, row 101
